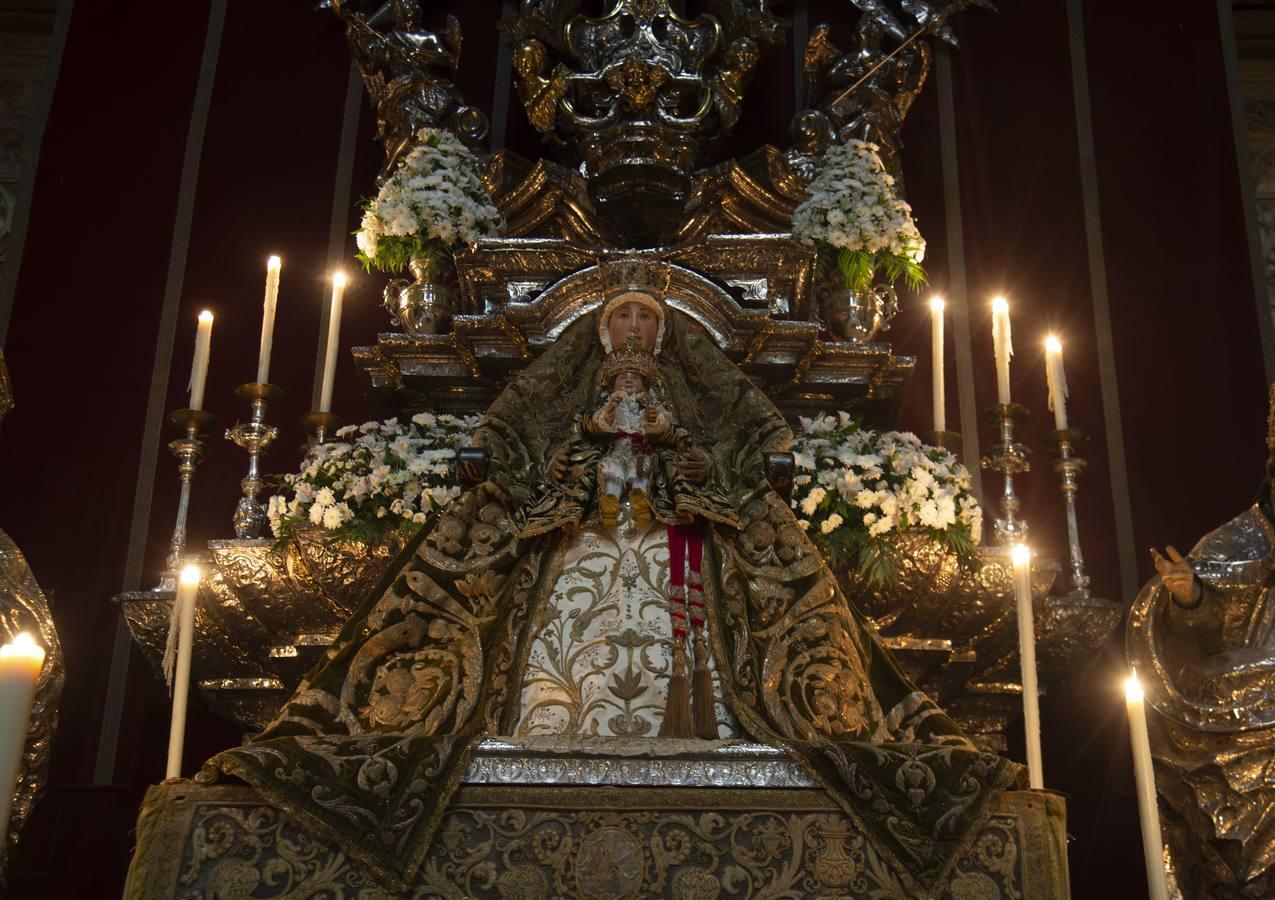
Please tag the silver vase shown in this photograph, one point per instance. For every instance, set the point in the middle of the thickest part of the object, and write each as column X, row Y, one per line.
column 858, row 315
column 423, row 305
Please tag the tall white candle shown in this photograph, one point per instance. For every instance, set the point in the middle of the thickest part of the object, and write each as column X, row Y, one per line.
column 1002, row 346
column 199, row 365
column 334, row 339
column 936, row 348
column 20, row 662
column 1056, row 377
column 187, row 591
column 1022, row 559
column 273, row 265
column 1144, row 773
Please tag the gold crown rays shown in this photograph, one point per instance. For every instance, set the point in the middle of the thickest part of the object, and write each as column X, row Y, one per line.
column 634, row 273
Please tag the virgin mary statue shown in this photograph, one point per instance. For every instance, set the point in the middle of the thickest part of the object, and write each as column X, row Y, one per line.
column 508, row 615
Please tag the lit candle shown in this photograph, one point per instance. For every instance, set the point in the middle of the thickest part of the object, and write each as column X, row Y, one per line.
column 1057, row 379
column 199, row 366
column 334, row 337
column 1022, row 558
column 267, row 319
column 20, row 662
column 936, row 347
column 1148, row 811
column 187, row 590
column 1002, row 346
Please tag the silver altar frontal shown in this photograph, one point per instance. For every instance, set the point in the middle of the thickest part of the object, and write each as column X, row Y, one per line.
column 594, row 818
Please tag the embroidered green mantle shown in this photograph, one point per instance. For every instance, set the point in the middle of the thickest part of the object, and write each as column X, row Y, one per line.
column 369, row 750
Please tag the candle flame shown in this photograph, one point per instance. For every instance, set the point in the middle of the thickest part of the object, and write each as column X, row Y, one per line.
column 1132, row 686
column 206, row 316
column 23, row 645
column 1000, row 305
column 1021, row 554
column 338, row 280
column 191, row 575
column 1053, row 345
column 936, row 305
column 274, row 263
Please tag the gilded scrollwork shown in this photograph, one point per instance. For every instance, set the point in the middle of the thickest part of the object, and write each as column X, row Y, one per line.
column 637, row 92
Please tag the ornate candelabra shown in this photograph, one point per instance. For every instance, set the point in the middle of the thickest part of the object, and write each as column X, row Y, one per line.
column 1009, row 458
column 191, row 424
column 255, row 436
column 321, row 426
column 1069, row 466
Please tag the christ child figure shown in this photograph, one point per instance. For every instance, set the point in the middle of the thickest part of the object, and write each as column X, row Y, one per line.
column 636, row 424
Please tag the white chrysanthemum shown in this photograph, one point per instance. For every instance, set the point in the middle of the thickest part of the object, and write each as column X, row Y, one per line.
column 392, row 473
column 853, row 204
column 877, row 483
column 435, row 194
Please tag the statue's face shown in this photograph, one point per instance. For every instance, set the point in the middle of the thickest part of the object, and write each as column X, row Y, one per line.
column 633, row 319
column 629, row 382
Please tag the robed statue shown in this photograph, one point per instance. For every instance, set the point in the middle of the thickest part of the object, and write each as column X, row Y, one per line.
column 1202, row 636
column 624, row 570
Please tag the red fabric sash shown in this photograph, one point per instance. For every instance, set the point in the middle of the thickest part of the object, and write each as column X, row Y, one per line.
column 641, row 443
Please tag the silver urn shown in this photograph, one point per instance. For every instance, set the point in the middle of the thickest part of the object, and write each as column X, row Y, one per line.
column 423, row 305
column 859, row 315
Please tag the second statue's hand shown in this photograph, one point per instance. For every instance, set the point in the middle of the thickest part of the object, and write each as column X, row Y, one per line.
column 1177, row 575
column 693, row 466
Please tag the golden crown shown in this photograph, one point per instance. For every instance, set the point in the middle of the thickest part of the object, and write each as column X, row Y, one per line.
column 634, row 273
column 629, row 358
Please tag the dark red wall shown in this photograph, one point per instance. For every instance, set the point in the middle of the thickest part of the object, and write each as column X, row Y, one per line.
column 91, row 286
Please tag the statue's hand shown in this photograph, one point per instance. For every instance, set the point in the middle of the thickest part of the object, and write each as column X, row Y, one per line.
column 656, row 425
column 693, row 466
column 558, row 464
column 603, row 421
column 1178, row 576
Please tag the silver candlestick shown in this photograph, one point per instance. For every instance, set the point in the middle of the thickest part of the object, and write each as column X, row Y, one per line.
column 191, row 424
column 948, row 440
column 1069, row 466
column 255, row 436
column 321, row 426
column 1009, row 458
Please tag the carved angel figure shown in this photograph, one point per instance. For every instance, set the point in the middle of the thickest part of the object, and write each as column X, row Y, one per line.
column 866, row 92
column 400, row 61
column 490, row 627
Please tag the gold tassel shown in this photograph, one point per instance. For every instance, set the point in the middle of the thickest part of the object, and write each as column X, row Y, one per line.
column 677, row 708
column 702, row 693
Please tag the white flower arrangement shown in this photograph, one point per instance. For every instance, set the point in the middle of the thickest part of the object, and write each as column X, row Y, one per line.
column 379, row 475
column 855, row 215
column 858, row 491
column 432, row 204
